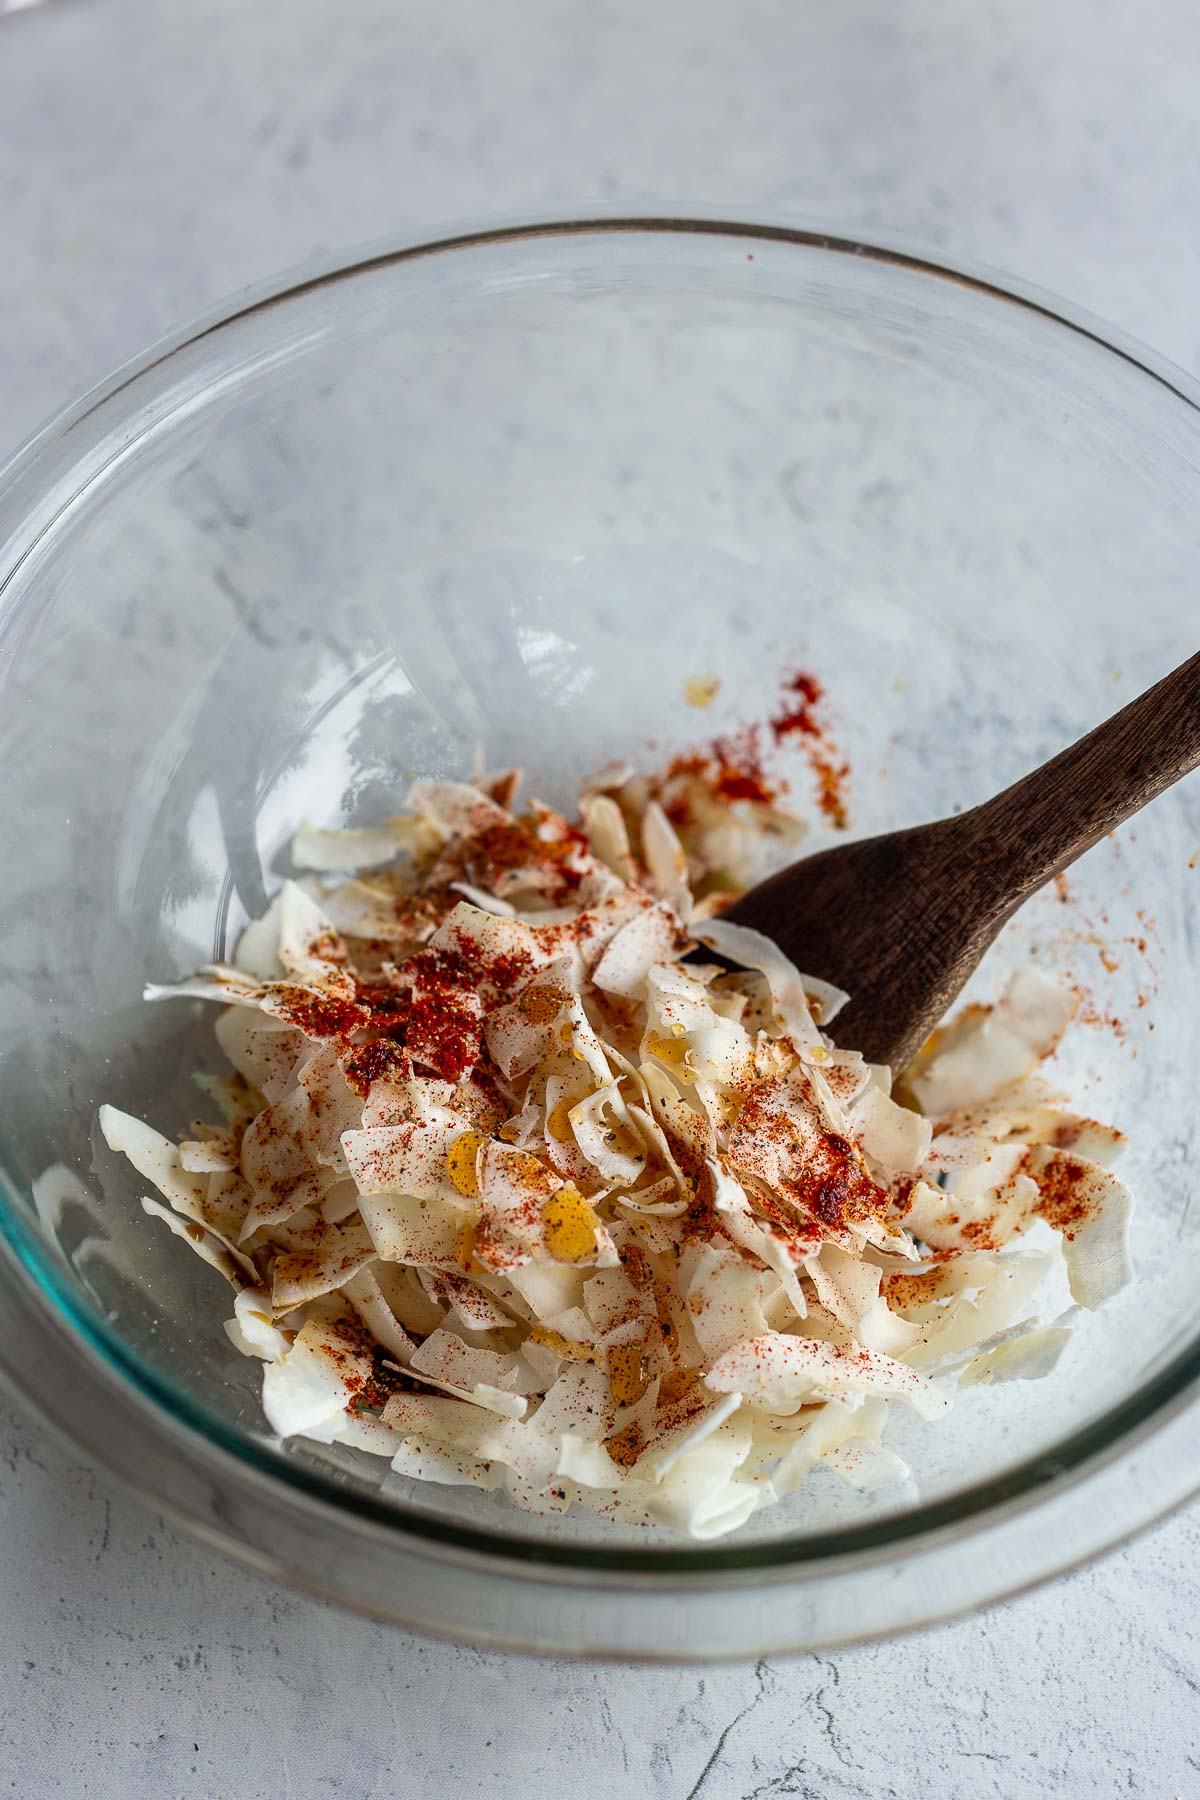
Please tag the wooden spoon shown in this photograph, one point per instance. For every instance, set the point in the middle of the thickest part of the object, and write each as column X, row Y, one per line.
column 902, row 920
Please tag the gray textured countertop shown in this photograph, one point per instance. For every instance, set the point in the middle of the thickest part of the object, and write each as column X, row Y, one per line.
column 153, row 158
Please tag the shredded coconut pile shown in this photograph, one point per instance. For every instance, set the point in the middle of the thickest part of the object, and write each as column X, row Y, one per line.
column 511, row 1193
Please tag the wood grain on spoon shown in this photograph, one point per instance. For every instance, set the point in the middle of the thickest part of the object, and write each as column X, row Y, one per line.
column 901, row 921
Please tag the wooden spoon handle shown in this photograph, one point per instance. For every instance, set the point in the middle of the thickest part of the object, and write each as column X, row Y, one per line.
column 1044, row 821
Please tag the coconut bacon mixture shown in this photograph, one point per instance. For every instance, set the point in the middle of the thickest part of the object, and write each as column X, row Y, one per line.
column 516, row 1189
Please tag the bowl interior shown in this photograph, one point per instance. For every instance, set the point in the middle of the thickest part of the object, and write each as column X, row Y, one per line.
column 510, row 497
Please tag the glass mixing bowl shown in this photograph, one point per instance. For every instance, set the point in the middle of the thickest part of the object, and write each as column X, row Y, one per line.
column 513, row 489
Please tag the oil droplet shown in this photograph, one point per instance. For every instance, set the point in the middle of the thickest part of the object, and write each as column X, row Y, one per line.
column 627, row 1377
column 701, row 690
column 462, row 1159
column 558, row 1124
column 570, row 1225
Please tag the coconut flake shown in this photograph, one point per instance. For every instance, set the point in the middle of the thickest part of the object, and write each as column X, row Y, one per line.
column 362, row 847
column 778, row 1373
column 997, row 1046
column 751, row 950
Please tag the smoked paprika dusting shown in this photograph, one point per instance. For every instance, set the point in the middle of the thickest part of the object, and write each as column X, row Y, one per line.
column 801, row 719
column 739, row 767
column 731, row 767
column 439, row 1012
column 444, row 1030
column 529, row 843
column 366, row 1368
column 835, row 1186
column 386, row 1005
column 318, row 1016
column 1066, row 1189
column 734, row 767
column 1083, row 937
column 376, row 1061
column 784, row 1147
column 901, row 1290
column 801, row 714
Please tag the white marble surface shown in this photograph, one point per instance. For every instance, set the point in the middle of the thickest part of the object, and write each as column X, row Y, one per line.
column 153, row 157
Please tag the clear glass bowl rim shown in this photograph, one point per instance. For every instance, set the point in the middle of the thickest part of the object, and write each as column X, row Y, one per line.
column 26, row 1262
